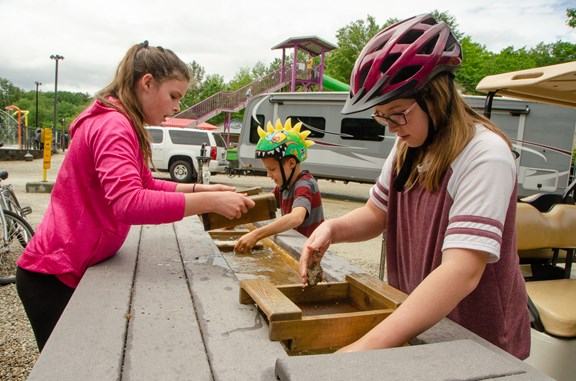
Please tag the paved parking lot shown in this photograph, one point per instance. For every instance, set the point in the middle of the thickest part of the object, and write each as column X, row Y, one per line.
column 338, row 197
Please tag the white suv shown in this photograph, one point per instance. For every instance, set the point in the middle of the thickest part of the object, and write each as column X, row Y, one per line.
column 176, row 150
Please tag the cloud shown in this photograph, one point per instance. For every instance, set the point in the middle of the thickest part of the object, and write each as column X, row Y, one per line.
column 223, row 35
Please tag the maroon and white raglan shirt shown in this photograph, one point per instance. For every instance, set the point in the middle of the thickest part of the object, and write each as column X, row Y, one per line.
column 475, row 208
column 303, row 192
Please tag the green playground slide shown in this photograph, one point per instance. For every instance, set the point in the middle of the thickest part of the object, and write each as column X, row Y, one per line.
column 331, row 84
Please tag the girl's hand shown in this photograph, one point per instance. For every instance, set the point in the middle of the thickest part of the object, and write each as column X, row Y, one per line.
column 314, row 249
column 231, row 204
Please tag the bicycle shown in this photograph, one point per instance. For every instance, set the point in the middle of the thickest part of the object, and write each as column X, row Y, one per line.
column 8, row 199
column 15, row 231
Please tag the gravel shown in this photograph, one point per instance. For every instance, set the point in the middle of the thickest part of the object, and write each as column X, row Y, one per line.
column 18, row 351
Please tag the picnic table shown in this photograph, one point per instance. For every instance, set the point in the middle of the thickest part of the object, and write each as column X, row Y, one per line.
column 166, row 307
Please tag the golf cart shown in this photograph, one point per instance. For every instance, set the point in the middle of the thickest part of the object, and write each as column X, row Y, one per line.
column 546, row 230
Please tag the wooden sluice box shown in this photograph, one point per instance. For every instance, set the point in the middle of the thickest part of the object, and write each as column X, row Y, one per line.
column 264, row 209
column 312, row 319
column 324, row 317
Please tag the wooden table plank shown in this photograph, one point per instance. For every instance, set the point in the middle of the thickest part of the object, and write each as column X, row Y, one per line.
column 164, row 340
column 77, row 348
column 235, row 335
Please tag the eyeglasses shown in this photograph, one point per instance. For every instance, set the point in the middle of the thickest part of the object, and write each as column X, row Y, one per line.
column 398, row 119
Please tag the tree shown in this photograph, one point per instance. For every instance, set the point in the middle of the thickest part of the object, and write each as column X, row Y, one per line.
column 197, row 73
column 353, row 37
column 571, row 13
column 351, row 40
column 474, row 65
column 242, row 77
column 450, row 21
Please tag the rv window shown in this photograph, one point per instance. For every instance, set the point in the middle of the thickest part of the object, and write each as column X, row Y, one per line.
column 362, row 129
column 254, row 137
column 313, row 123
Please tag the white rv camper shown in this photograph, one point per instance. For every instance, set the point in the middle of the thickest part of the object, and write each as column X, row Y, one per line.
column 354, row 147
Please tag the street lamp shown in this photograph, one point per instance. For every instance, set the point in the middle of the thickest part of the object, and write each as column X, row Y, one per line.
column 56, row 57
column 36, row 129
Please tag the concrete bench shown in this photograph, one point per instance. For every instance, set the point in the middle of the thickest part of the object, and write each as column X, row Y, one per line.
column 166, row 307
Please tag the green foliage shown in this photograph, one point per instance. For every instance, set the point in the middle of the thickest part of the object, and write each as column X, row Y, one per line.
column 351, row 40
column 474, row 65
column 571, row 13
column 69, row 105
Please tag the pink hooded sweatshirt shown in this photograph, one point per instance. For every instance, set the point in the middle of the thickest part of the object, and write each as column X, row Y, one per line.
column 103, row 187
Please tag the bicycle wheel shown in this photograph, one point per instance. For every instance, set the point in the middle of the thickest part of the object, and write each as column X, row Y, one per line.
column 15, row 233
column 11, row 202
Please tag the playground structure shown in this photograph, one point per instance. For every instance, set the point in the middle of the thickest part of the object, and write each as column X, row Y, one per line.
column 20, row 133
column 297, row 74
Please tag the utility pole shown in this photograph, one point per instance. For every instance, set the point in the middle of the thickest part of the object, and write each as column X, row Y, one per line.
column 37, row 84
column 55, row 57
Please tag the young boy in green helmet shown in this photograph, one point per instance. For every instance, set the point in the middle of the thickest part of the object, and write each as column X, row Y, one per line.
column 281, row 150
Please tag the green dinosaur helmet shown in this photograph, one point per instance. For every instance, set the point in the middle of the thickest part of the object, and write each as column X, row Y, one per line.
column 283, row 141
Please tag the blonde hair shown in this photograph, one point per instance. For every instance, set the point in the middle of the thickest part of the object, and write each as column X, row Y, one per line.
column 455, row 127
column 141, row 59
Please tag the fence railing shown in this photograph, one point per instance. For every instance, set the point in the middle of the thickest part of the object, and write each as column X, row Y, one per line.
column 233, row 101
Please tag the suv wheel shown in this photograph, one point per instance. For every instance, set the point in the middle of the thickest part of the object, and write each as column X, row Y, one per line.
column 181, row 171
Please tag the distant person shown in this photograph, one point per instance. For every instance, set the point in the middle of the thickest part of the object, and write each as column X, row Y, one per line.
column 248, row 92
column 104, row 185
column 446, row 197
column 311, row 74
column 281, row 150
column 37, row 138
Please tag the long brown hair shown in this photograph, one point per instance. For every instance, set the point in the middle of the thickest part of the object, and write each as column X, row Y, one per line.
column 450, row 138
column 141, row 59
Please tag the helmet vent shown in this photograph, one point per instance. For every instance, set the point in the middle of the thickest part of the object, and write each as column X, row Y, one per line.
column 388, row 61
column 362, row 76
column 381, row 46
column 429, row 21
column 428, row 48
column 451, row 43
column 410, row 37
column 405, row 73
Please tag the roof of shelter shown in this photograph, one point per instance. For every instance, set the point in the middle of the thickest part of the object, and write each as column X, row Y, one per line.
column 555, row 84
column 310, row 44
column 183, row 122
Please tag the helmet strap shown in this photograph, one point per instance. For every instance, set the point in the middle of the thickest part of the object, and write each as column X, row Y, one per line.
column 285, row 181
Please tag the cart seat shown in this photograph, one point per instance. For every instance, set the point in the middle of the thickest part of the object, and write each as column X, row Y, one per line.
column 554, row 300
column 552, row 229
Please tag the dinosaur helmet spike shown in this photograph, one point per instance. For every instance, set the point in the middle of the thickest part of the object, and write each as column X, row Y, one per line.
column 283, row 141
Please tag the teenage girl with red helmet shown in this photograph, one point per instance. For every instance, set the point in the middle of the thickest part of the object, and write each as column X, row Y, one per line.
column 446, row 197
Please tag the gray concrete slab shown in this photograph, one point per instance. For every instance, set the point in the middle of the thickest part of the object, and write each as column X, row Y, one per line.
column 39, row 187
column 454, row 360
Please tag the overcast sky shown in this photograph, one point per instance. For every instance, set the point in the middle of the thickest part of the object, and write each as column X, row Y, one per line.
column 226, row 35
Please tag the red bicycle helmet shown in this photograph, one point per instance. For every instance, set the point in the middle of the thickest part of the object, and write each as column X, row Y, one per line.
column 400, row 60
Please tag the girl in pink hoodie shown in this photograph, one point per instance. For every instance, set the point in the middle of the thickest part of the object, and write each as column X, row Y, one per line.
column 104, row 185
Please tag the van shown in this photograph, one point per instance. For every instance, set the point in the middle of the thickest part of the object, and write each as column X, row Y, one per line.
column 354, row 147
column 176, row 150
